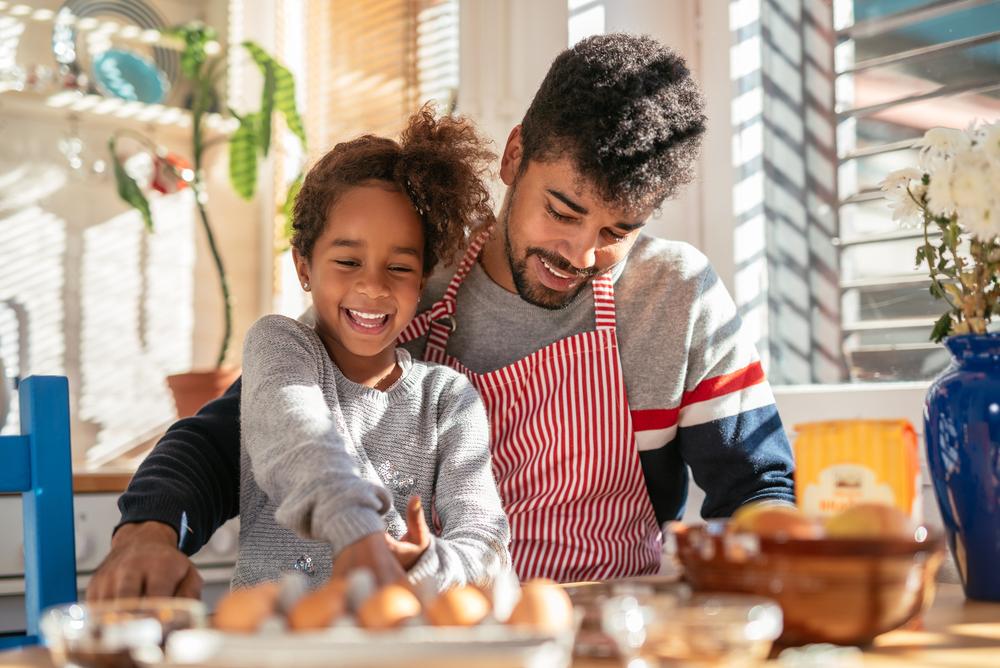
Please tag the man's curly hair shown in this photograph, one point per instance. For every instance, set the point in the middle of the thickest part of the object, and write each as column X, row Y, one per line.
column 439, row 163
column 627, row 112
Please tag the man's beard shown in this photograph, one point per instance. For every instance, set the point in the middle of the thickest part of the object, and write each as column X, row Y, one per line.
column 537, row 294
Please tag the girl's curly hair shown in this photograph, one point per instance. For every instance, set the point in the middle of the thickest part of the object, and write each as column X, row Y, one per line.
column 440, row 164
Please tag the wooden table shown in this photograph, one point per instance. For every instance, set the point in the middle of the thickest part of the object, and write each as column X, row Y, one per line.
column 955, row 634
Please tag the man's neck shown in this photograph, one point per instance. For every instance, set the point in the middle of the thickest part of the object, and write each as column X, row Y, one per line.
column 495, row 263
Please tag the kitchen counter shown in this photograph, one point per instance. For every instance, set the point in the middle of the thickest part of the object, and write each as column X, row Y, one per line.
column 954, row 633
column 101, row 482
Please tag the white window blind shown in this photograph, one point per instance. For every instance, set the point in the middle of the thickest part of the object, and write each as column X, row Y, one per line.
column 374, row 62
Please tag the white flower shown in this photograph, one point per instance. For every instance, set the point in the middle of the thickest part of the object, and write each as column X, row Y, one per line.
column 989, row 139
column 939, row 198
column 970, row 180
column 940, row 144
column 982, row 222
column 905, row 191
column 900, row 178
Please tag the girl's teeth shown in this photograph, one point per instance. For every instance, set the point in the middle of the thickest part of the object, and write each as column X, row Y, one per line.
column 368, row 320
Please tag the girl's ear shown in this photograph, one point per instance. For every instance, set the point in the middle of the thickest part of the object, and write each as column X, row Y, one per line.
column 301, row 268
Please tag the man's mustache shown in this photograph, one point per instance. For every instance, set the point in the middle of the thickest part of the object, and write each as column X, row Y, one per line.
column 557, row 262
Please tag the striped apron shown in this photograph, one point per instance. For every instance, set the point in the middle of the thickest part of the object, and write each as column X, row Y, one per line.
column 564, row 453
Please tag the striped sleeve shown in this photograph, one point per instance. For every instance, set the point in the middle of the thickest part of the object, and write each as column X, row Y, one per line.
column 728, row 427
column 724, row 424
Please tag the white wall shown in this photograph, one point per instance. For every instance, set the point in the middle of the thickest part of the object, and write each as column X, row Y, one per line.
column 86, row 292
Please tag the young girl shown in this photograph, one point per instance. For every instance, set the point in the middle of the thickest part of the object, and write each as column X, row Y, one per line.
column 341, row 430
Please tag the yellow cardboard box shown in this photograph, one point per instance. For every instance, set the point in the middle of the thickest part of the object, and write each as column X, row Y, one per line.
column 842, row 462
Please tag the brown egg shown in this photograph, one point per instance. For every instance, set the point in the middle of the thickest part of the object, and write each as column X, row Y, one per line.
column 870, row 520
column 389, row 607
column 243, row 610
column 773, row 520
column 543, row 606
column 461, row 606
column 319, row 609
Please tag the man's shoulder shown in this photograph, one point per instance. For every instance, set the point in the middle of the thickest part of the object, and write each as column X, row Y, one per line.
column 663, row 270
column 655, row 256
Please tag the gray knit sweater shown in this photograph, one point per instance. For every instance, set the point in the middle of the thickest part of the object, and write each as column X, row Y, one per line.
column 326, row 461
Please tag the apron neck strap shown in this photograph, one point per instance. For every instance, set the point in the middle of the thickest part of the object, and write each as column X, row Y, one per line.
column 604, row 302
column 465, row 266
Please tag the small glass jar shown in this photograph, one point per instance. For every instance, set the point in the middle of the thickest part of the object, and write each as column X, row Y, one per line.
column 732, row 630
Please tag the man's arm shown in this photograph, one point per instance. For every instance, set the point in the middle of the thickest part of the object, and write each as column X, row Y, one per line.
column 183, row 491
column 729, row 430
column 191, row 479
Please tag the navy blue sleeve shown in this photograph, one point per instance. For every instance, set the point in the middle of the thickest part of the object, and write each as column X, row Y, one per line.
column 738, row 459
column 191, row 479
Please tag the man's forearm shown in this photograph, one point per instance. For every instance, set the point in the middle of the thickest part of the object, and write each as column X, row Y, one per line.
column 190, row 481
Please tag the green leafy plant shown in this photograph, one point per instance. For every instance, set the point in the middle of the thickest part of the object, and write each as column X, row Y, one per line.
column 251, row 139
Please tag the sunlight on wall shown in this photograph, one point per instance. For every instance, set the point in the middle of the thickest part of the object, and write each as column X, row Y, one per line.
column 85, row 291
column 136, row 322
column 32, row 244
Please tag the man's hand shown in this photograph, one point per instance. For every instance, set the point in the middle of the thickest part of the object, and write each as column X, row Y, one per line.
column 144, row 561
column 373, row 553
column 408, row 549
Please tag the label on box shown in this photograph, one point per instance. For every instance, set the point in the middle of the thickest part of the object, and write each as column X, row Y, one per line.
column 843, row 462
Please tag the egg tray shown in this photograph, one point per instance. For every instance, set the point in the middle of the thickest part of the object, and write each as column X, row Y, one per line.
column 416, row 646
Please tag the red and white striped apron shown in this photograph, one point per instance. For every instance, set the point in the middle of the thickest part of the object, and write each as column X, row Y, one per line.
column 564, row 451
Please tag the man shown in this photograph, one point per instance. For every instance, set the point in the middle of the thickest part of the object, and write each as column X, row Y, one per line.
column 609, row 362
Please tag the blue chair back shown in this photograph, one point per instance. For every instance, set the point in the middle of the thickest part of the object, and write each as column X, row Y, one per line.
column 38, row 464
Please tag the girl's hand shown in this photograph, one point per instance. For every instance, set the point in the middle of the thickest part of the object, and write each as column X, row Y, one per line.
column 370, row 552
column 408, row 549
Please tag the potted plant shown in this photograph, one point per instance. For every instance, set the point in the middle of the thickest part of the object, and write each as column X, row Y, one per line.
column 204, row 70
column 954, row 195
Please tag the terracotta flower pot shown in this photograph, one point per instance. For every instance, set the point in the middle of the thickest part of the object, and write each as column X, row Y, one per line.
column 194, row 389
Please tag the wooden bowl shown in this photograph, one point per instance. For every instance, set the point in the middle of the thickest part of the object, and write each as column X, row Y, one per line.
column 844, row 591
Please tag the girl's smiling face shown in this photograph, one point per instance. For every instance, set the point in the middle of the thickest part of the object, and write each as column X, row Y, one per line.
column 365, row 274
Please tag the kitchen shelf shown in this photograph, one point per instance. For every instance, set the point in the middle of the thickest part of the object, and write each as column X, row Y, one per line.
column 112, row 112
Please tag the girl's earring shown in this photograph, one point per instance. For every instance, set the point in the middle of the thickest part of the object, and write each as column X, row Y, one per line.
column 305, row 286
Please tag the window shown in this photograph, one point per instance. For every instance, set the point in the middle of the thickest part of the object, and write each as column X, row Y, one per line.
column 369, row 64
column 903, row 66
column 828, row 98
column 372, row 63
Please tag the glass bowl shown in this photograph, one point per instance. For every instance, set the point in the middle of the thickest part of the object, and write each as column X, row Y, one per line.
column 104, row 635
column 732, row 630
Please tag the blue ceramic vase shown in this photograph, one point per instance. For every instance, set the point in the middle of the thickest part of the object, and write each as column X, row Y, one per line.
column 962, row 430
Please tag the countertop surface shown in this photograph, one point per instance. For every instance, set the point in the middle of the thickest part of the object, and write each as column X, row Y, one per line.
column 954, row 633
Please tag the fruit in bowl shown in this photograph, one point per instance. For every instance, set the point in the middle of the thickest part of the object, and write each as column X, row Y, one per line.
column 774, row 520
column 869, row 520
column 872, row 563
